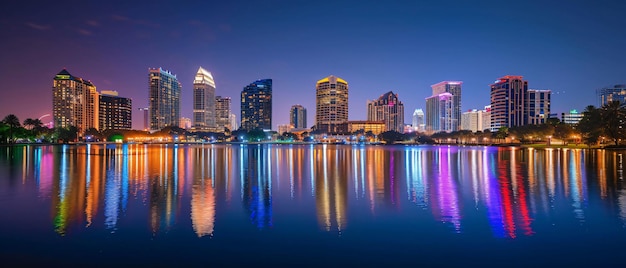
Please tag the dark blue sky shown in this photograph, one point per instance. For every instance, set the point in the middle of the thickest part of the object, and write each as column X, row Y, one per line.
column 570, row 47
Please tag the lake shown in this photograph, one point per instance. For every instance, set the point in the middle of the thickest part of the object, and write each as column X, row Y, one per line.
column 311, row 205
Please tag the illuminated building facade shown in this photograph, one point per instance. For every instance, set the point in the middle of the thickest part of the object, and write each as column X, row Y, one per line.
column 389, row 109
column 256, row 105
column 376, row 127
column 508, row 97
column 164, row 99
column 331, row 104
column 454, row 88
column 297, row 116
column 439, row 109
column 115, row 112
column 608, row 94
column 571, row 118
column 203, row 101
column 472, row 120
column 74, row 102
column 537, row 106
column 222, row 113
column 418, row 120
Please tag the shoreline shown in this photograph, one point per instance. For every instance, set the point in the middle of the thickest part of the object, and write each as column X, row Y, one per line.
column 533, row 146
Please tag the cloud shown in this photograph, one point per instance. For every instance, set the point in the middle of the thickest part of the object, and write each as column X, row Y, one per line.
column 38, row 26
column 84, row 32
column 93, row 23
column 119, row 18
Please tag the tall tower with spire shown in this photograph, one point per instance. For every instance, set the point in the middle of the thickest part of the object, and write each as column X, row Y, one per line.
column 203, row 101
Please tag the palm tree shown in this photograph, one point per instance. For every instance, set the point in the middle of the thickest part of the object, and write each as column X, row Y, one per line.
column 13, row 123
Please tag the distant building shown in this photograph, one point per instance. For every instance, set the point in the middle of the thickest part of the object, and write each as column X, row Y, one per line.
column 284, row 128
column 331, row 102
column 454, row 88
column 376, row 127
column 418, row 120
column 233, row 122
column 571, row 118
column 439, row 109
column 164, row 99
column 204, row 101
column 472, row 120
column 508, row 97
column 537, row 106
column 389, row 109
column 486, row 118
column 256, row 105
column 297, row 116
column 222, row 113
column 146, row 118
column 115, row 112
column 608, row 94
column 74, row 102
column 185, row 123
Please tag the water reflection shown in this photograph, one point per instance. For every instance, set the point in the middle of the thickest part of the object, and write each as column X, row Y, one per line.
column 503, row 189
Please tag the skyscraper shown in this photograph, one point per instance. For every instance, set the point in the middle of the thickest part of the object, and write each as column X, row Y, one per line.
column 537, row 106
column 222, row 113
column 331, row 105
column 439, row 109
column 256, row 105
column 115, row 112
column 297, row 116
column 454, row 88
column 204, row 101
column 418, row 120
column 608, row 94
column 164, row 99
column 389, row 109
column 74, row 102
column 508, row 96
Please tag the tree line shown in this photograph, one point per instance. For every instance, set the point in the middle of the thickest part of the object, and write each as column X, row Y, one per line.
column 598, row 125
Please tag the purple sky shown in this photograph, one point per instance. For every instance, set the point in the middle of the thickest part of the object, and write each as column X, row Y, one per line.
column 376, row 46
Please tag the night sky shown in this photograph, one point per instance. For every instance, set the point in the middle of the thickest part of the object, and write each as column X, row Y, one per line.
column 570, row 47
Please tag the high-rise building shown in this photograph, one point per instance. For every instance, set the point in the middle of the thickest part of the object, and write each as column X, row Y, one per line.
column 472, row 120
column 486, row 118
column 418, row 120
column 608, row 94
column 571, row 118
column 508, row 96
column 164, row 99
column 389, row 109
column 297, row 116
column 537, row 106
column 256, row 105
column 146, row 118
column 439, row 109
column 454, row 88
column 222, row 113
column 115, row 112
column 233, row 121
column 74, row 102
column 331, row 105
column 204, row 101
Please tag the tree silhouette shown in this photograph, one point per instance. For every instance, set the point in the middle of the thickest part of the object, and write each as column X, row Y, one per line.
column 13, row 122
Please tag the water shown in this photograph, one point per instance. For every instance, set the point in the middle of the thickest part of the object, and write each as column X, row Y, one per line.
column 311, row 205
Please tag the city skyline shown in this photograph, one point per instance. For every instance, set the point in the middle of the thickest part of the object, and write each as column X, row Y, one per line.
column 560, row 51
